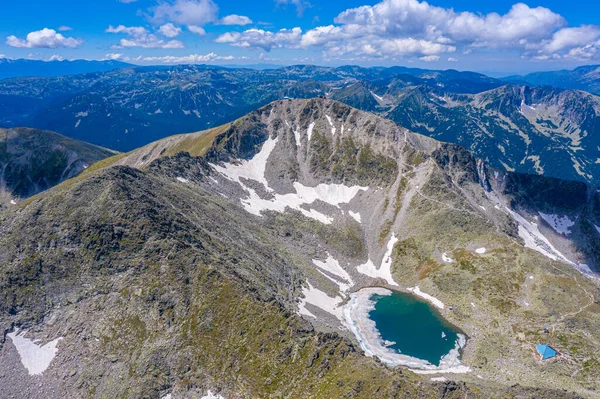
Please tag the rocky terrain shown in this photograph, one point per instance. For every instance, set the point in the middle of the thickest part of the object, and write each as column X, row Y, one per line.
column 34, row 160
column 535, row 130
column 148, row 272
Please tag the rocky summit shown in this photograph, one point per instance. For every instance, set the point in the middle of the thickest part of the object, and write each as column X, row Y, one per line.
column 227, row 263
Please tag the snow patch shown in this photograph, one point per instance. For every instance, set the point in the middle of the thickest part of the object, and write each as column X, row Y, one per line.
column 446, row 258
column 297, row 138
column 560, row 224
column 384, row 270
column 429, row 298
column 309, row 131
column 12, row 201
column 332, row 266
column 481, row 250
column 181, row 179
column 78, row 123
column 356, row 319
column 186, row 112
column 378, row 98
column 254, row 169
column 439, row 379
column 597, row 228
column 210, row 395
column 321, row 300
column 356, row 216
column 331, row 124
column 36, row 358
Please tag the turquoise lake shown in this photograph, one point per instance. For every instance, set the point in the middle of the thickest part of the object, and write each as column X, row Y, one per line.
column 415, row 327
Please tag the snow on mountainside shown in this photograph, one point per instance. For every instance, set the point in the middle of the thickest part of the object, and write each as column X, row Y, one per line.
column 283, row 216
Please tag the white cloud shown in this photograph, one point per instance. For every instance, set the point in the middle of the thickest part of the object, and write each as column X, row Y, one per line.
column 113, row 56
column 185, row 12
column 258, row 38
column 198, row 30
column 414, row 29
column 169, row 30
column 45, row 38
column 452, row 59
column 139, row 36
column 64, row 28
column 189, row 59
column 56, row 57
column 126, row 1
column 235, row 19
column 430, row 58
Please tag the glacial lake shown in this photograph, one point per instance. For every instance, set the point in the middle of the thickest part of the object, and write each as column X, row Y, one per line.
column 412, row 327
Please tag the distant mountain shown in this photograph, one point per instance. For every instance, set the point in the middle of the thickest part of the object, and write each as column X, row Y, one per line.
column 10, row 68
column 536, row 130
column 126, row 108
column 230, row 263
column 539, row 130
column 585, row 78
column 34, row 160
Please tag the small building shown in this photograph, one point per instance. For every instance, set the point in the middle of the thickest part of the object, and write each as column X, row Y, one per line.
column 545, row 351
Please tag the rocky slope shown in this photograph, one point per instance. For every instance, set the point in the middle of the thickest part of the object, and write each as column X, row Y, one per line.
column 34, row 160
column 527, row 129
column 582, row 78
column 533, row 130
column 154, row 267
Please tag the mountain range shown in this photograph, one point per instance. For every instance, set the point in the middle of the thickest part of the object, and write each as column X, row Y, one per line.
column 222, row 262
column 33, row 160
column 529, row 129
column 10, row 68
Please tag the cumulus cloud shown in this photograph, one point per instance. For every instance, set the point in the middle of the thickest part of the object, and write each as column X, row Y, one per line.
column 45, row 38
column 258, row 38
column 188, row 59
column 198, row 30
column 56, row 57
column 235, row 19
column 430, row 58
column 185, row 12
column 452, row 59
column 169, row 30
column 113, row 56
column 64, row 28
column 138, row 36
column 413, row 28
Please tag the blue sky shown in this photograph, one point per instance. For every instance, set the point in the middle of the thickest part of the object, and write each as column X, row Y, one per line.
column 499, row 36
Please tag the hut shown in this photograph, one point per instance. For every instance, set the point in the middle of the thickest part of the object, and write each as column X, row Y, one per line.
column 545, row 351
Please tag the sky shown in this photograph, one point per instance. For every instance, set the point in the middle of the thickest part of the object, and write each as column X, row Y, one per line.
column 498, row 37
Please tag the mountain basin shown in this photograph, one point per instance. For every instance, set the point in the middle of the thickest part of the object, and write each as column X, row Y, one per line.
column 403, row 330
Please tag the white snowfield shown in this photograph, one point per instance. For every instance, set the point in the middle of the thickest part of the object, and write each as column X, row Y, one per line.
column 332, row 266
column 560, row 224
column 309, row 131
column 181, row 179
column 355, row 216
column 481, row 250
column 384, row 270
column 254, row 169
column 356, row 319
column 429, row 298
column 446, row 258
column 331, row 124
column 321, row 300
column 210, row 395
column 36, row 358
column 597, row 227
